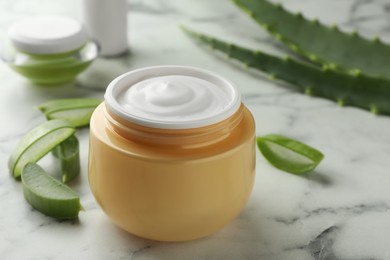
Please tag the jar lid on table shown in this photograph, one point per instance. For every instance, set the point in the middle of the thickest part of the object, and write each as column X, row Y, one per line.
column 47, row 35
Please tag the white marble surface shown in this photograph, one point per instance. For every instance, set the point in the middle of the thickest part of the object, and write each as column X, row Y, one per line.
column 340, row 211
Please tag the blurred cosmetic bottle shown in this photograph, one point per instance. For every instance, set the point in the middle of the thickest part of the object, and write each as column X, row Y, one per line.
column 106, row 22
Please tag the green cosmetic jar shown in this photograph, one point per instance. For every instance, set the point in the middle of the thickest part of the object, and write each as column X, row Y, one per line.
column 49, row 50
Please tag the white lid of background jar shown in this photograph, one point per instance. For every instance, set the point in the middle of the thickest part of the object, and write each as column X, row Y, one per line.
column 47, row 35
column 172, row 97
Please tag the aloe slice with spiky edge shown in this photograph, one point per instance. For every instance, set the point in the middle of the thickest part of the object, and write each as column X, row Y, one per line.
column 319, row 43
column 37, row 143
column 358, row 90
column 68, row 153
column 77, row 111
column 48, row 195
column 289, row 155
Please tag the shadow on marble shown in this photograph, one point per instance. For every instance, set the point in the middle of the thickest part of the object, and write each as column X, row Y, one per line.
column 71, row 89
column 103, row 71
column 318, row 177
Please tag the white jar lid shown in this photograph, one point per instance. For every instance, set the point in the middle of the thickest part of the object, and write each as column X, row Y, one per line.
column 48, row 35
column 172, row 97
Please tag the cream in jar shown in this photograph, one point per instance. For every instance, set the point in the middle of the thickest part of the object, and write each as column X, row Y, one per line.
column 172, row 153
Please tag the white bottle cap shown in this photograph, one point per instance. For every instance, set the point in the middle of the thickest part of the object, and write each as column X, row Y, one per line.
column 48, row 35
column 106, row 22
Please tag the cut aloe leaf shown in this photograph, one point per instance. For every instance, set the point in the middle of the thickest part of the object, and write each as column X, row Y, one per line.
column 37, row 143
column 289, row 155
column 68, row 153
column 48, row 195
column 77, row 111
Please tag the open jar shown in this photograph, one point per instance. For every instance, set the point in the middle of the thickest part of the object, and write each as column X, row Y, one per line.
column 49, row 50
column 172, row 153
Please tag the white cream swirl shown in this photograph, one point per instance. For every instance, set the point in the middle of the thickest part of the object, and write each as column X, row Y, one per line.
column 174, row 98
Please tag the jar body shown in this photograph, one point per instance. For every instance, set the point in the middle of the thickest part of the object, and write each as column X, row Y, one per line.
column 171, row 193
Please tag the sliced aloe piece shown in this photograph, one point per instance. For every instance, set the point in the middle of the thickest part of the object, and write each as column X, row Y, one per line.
column 48, row 195
column 289, row 155
column 37, row 143
column 77, row 111
column 68, row 153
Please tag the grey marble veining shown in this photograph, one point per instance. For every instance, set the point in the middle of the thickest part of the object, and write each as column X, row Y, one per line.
column 340, row 211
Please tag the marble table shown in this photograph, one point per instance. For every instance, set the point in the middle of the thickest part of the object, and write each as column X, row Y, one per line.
column 339, row 211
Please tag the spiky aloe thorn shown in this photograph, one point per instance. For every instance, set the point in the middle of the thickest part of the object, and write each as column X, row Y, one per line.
column 355, row 33
column 374, row 109
column 334, row 27
column 332, row 66
column 293, row 47
column 278, row 36
column 300, row 15
column 341, row 102
column 316, row 21
column 229, row 51
column 331, row 46
column 309, row 91
column 325, row 67
column 250, row 14
column 377, row 40
column 278, row 5
column 313, row 57
column 366, row 92
column 356, row 72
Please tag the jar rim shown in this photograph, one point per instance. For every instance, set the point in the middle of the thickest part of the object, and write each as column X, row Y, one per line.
column 125, row 81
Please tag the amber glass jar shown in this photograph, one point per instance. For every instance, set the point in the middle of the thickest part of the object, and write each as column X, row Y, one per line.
column 171, row 179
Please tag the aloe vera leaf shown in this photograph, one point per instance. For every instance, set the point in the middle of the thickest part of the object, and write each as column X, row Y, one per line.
column 37, row 143
column 77, row 111
column 289, row 155
column 48, row 195
column 68, row 153
column 319, row 43
column 358, row 90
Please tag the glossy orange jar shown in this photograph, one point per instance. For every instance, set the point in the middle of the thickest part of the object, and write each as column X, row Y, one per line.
column 175, row 182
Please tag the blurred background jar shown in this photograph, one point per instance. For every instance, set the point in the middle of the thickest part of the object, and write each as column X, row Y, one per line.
column 49, row 50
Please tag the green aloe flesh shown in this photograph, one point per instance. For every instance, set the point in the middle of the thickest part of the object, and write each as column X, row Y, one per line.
column 68, row 153
column 320, row 43
column 77, row 111
column 289, row 155
column 358, row 90
column 48, row 195
column 37, row 143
